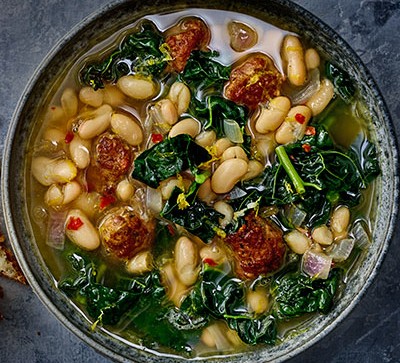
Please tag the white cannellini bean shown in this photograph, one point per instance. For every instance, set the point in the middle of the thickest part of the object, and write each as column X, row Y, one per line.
column 222, row 144
column 113, row 96
column 58, row 195
column 205, row 193
column 187, row 126
column 187, row 261
column 87, row 203
column 340, row 221
column 136, row 87
column 71, row 191
column 213, row 252
column 227, row 175
column 167, row 186
column 254, row 168
column 81, row 231
column 125, row 190
column 266, row 146
column 322, row 235
column 164, row 112
column 79, row 150
column 291, row 129
column 97, row 124
column 54, row 196
column 225, row 209
column 312, row 58
column 257, row 300
column 293, row 53
column 320, row 99
column 298, row 242
column 176, row 290
column 272, row 117
column 179, row 94
column 206, row 138
column 91, row 97
column 234, row 152
column 51, row 171
column 217, row 335
column 140, row 264
column 127, row 128
column 69, row 102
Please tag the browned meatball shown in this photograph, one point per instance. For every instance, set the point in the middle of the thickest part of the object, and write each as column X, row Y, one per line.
column 257, row 246
column 191, row 34
column 254, row 81
column 113, row 156
column 124, row 233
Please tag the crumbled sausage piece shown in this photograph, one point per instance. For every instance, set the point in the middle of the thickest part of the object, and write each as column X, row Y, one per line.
column 113, row 156
column 192, row 34
column 257, row 246
column 254, row 81
column 124, row 233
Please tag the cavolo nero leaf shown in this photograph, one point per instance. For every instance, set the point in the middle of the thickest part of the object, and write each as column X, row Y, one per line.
column 328, row 174
column 105, row 304
column 221, row 296
column 297, row 294
column 141, row 52
column 139, row 302
column 168, row 158
column 341, row 80
column 202, row 73
column 195, row 216
column 206, row 78
column 256, row 331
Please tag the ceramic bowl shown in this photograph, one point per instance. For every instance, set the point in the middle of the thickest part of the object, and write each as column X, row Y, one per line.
column 109, row 20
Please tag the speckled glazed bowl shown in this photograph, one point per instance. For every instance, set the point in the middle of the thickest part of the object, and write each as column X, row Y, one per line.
column 96, row 28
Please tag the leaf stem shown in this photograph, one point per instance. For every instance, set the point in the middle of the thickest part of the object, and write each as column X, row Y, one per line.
column 290, row 170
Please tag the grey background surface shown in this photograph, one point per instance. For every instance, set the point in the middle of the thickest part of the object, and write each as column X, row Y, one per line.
column 30, row 28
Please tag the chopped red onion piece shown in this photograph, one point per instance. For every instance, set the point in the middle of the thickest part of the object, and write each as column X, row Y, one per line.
column 316, row 264
column 55, row 230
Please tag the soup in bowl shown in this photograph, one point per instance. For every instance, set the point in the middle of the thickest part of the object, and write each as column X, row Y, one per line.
column 201, row 183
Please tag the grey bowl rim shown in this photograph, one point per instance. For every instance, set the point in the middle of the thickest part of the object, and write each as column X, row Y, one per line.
column 10, row 230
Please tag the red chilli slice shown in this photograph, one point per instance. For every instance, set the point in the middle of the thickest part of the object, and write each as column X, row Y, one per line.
column 210, row 262
column 156, row 138
column 106, row 200
column 74, row 223
column 69, row 137
column 300, row 118
column 310, row 131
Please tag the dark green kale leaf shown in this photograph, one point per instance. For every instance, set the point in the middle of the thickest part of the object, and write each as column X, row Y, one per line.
column 105, row 304
column 206, row 79
column 314, row 178
column 297, row 294
column 214, row 109
column 138, row 303
column 222, row 296
column 202, row 73
column 195, row 216
column 168, row 158
column 368, row 160
column 255, row 331
column 343, row 83
column 141, row 52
